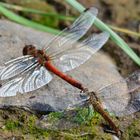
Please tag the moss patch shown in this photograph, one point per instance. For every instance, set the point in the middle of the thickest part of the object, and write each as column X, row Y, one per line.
column 75, row 124
column 22, row 125
column 133, row 131
column 11, row 125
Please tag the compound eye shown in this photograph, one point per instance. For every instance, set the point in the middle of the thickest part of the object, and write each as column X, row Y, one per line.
column 28, row 49
column 25, row 50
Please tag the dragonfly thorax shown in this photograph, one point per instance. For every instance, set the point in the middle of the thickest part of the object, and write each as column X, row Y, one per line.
column 39, row 54
column 93, row 96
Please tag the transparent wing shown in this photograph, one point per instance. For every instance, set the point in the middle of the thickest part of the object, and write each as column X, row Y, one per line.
column 123, row 97
column 80, row 53
column 16, row 66
column 133, row 105
column 30, row 81
column 35, row 80
column 96, row 41
column 72, row 33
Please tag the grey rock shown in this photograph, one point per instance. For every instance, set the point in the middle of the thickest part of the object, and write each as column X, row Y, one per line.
column 99, row 71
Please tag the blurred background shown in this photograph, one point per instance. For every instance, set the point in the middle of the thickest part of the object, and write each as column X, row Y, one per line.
column 58, row 14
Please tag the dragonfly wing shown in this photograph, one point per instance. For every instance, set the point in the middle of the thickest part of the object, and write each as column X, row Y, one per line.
column 73, row 33
column 16, row 67
column 133, row 105
column 122, row 97
column 10, row 88
column 133, row 81
column 30, row 81
column 36, row 79
column 81, row 53
column 133, row 84
column 96, row 41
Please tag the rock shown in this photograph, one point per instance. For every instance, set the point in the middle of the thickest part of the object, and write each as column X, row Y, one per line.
column 57, row 95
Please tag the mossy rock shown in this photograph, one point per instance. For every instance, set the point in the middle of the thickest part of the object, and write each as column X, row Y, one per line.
column 21, row 125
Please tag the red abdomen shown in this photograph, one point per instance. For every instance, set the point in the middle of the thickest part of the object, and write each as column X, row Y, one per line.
column 65, row 77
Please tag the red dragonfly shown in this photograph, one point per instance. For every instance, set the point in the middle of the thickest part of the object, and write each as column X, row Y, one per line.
column 34, row 69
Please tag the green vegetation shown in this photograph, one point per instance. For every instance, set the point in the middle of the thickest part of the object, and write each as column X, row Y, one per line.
column 23, row 125
column 28, row 126
column 12, row 125
column 133, row 131
column 50, row 14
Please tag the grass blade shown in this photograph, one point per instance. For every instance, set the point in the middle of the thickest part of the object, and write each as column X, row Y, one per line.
column 14, row 17
column 34, row 11
column 61, row 17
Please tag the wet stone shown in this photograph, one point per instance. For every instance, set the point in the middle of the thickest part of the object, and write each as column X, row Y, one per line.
column 97, row 72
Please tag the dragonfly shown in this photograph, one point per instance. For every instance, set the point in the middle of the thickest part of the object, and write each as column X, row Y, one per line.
column 61, row 54
column 120, row 98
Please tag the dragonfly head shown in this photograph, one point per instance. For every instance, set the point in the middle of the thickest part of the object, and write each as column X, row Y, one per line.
column 29, row 50
column 40, row 55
